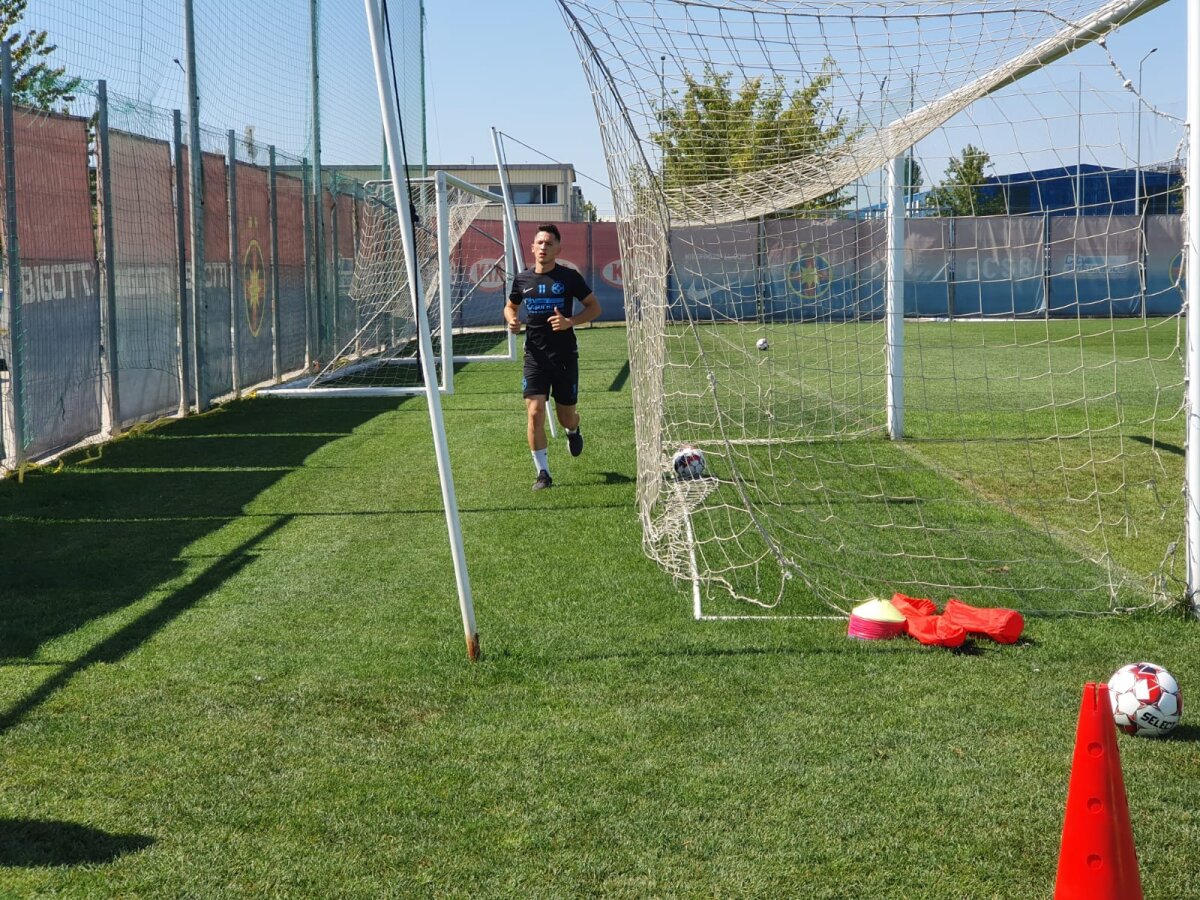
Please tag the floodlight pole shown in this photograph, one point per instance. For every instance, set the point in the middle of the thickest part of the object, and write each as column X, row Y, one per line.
column 389, row 110
column 1192, row 275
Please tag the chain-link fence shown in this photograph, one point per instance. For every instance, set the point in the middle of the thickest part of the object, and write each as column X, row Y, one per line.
column 100, row 327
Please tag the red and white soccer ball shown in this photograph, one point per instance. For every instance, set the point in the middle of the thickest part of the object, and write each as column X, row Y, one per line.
column 1145, row 699
column 689, row 463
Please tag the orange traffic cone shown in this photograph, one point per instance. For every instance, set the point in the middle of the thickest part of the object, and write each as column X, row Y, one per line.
column 1096, row 860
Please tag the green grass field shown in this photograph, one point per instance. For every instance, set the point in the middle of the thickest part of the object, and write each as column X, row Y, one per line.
column 1040, row 466
column 232, row 665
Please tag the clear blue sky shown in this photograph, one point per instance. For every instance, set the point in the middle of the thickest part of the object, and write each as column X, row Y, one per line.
column 514, row 65
column 511, row 65
column 488, row 62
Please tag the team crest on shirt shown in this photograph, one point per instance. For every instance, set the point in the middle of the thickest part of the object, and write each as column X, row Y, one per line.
column 558, row 288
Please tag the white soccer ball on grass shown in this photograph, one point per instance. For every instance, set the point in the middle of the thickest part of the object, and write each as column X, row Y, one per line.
column 763, row 344
column 1145, row 699
column 689, row 463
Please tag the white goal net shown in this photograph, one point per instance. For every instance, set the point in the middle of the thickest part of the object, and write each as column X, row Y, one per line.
column 380, row 353
column 910, row 276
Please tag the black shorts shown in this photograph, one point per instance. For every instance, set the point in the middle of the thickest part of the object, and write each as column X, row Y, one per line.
column 551, row 374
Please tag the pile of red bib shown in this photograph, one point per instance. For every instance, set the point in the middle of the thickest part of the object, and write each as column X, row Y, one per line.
column 920, row 620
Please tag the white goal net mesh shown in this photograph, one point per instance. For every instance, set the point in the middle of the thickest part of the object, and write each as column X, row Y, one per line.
column 382, row 343
column 1038, row 460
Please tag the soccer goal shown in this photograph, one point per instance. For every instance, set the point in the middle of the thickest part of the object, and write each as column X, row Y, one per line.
column 909, row 276
column 463, row 263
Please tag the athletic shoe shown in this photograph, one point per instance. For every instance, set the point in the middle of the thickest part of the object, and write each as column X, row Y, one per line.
column 543, row 481
column 575, row 442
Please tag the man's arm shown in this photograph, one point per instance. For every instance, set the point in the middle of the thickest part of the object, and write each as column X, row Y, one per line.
column 591, row 309
column 512, row 313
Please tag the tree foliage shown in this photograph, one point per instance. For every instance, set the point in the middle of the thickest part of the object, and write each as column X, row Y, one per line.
column 963, row 192
column 913, row 177
column 716, row 131
column 36, row 83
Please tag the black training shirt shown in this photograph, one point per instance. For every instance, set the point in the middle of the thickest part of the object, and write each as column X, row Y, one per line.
column 542, row 294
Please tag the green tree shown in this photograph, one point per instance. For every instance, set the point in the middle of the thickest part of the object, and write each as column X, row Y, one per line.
column 36, row 82
column 717, row 132
column 588, row 210
column 961, row 193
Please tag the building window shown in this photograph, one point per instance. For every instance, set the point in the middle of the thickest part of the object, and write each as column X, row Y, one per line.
column 530, row 194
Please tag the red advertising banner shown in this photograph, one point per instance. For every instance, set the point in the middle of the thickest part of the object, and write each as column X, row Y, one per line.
column 344, row 210
column 145, row 262
column 606, row 258
column 289, row 195
column 216, row 207
column 143, row 204
column 477, row 254
column 54, row 215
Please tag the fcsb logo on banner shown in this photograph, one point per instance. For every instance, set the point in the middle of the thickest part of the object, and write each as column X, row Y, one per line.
column 809, row 276
column 254, row 286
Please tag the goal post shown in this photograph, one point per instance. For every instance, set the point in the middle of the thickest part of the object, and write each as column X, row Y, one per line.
column 397, row 165
column 1191, row 268
column 463, row 268
column 446, row 245
column 918, row 298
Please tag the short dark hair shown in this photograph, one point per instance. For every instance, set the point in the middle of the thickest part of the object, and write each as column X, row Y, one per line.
column 551, row 228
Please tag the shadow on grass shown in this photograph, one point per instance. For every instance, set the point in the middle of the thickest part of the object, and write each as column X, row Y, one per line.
column 1158, row 445
column 622, row 376
column 145, row 626
column 1185, row 733
column 615, row 478
column 110, row 524
column 37, row 842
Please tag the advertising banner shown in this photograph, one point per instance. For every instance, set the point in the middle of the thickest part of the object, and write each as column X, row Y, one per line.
column 146, row 265
column 253, row 320
column 57, row 345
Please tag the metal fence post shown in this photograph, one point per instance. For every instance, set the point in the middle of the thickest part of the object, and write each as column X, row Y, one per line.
column 196, row 181
column 273, row 200
column 10, row 315
column 182, row 353
column 109, row 356
column 310, row 290
column 318, row 201
column 235, row 268
column 336, row 297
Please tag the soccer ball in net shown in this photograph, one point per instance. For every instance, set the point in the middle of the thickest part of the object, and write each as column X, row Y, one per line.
column 688, row 463
column 762, row 344
column 1145, row 699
